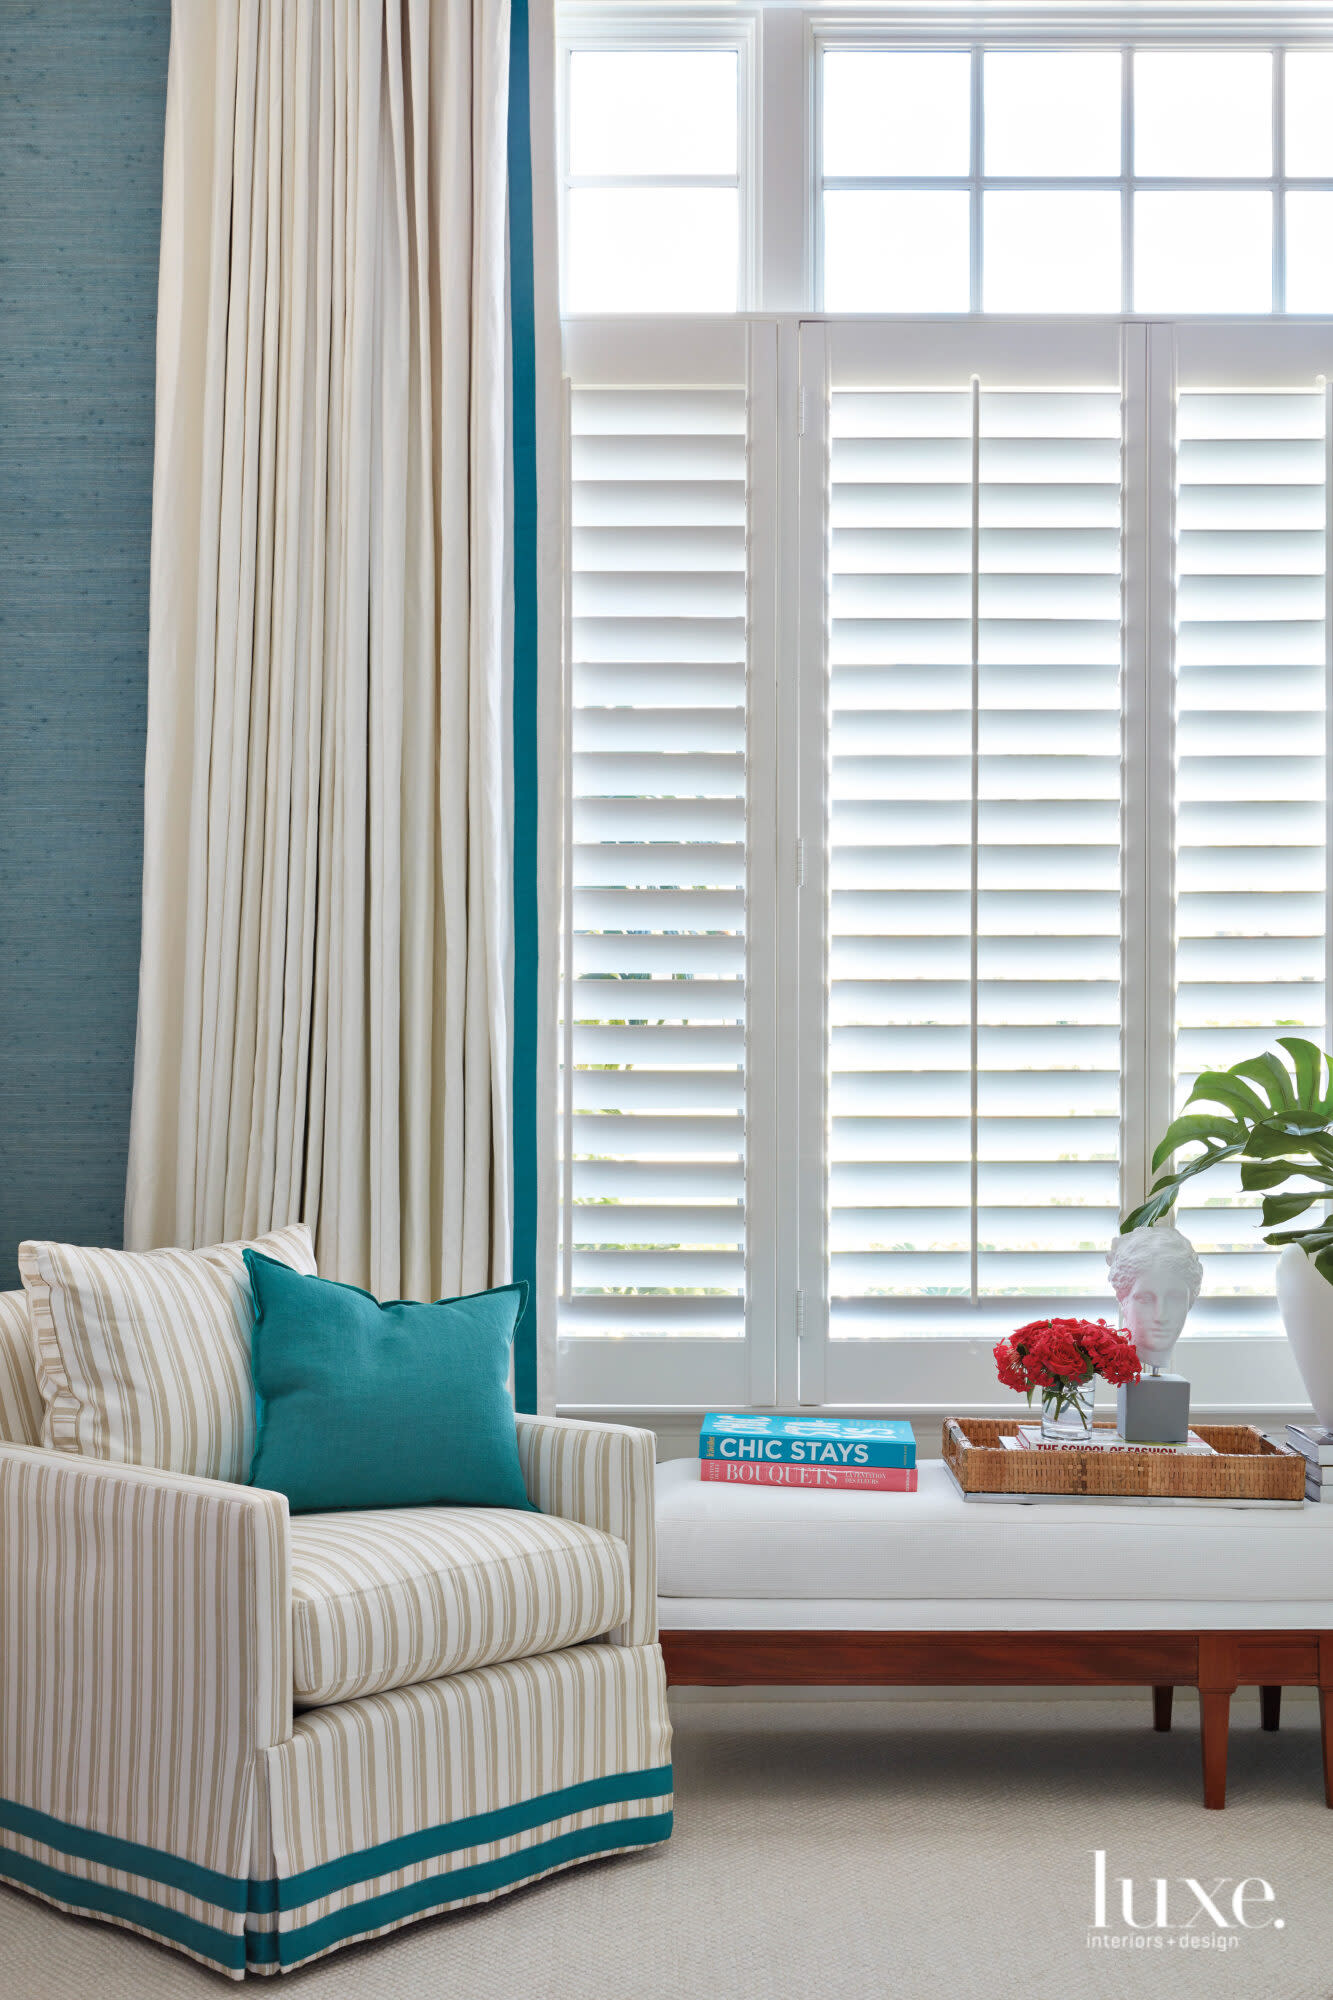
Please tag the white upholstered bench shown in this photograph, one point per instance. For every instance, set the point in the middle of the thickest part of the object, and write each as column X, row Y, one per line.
column 765, row 1586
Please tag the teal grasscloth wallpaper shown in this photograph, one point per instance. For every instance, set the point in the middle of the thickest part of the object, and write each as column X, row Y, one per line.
column 82, row 100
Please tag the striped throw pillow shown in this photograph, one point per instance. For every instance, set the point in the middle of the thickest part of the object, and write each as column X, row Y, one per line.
column 143, row 1357
column 20, row 1404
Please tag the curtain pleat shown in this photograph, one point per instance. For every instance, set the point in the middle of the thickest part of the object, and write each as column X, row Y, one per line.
column 324, row 1017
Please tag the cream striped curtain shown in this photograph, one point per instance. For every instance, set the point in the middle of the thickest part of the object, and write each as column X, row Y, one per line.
column 324, row 1014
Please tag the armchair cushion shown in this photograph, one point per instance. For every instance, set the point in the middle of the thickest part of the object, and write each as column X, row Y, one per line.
column 143, row 1357
column 384, row 1599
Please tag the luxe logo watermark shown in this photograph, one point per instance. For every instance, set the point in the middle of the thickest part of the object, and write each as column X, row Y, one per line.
column 1177, row 1913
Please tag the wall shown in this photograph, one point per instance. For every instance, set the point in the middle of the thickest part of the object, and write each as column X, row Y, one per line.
column 82, row 94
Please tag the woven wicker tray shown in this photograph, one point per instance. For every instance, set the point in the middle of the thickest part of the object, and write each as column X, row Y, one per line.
column 1247, row 1470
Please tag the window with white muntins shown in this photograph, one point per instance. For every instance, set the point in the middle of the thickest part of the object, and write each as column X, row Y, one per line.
column 946, row 725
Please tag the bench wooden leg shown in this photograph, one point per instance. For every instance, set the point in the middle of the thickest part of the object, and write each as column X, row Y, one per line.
column 1326, row 1740
column 1270, row 1707
column 1326, row 1711
column 1217, row 1684
column 1161, row 1708
column 1214, row 1722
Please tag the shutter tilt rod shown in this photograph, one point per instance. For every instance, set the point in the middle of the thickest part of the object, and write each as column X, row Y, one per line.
column 976, row 819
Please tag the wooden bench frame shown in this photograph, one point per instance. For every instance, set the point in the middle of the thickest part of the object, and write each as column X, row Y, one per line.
column 1216, row 1663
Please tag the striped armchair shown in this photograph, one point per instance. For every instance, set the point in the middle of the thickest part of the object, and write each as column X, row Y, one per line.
column 258, row 1738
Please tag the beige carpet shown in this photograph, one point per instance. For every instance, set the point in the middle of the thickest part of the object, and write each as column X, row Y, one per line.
column 858, row 1850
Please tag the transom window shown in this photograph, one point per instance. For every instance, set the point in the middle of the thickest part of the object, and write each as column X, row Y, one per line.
column 1127, row 178
column 653, row 211
column 1090, row 180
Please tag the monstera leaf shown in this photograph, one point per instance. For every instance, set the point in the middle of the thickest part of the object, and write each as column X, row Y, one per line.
column 1274, row 1116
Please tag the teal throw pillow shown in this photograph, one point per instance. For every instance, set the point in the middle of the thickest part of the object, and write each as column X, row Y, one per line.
column 359, row 1404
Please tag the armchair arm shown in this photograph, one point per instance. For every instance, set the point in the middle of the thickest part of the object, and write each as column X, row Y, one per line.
column 604, row 1476
column 145, row 1655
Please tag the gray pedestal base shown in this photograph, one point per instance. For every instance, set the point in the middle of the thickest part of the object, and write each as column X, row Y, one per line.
column 1154, row 1410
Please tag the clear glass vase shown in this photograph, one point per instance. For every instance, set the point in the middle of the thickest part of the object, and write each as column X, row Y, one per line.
column 1066, row 1411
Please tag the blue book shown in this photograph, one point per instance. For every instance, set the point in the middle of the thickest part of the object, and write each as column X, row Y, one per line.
column 830, row 1441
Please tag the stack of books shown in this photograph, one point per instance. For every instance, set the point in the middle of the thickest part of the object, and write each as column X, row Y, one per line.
column 860, row 1452
column 1315, row 1444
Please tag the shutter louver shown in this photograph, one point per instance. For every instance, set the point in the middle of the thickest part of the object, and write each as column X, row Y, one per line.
column 974, row 1002
column 1250, row 766
column 654, row 992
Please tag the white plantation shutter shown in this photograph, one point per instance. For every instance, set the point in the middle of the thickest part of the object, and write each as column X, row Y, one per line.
column 1251, row 654
column 656, row 1036
column 974, row 905
column 656, row 1223
column 943, row 760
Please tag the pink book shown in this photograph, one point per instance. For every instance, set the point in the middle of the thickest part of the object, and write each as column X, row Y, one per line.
column 863, row 1478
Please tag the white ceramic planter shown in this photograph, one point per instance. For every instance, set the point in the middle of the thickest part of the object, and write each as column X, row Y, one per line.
column 1305, row 1301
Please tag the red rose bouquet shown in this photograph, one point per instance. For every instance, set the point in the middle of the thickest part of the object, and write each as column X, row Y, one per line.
column 1060, row 1358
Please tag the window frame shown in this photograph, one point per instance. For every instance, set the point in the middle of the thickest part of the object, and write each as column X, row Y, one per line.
column 786, row 1358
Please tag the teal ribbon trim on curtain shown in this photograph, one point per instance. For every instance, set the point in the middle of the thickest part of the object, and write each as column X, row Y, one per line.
column 523, row 351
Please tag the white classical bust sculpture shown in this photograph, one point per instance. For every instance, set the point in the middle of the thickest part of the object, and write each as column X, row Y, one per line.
column 1156, row 1277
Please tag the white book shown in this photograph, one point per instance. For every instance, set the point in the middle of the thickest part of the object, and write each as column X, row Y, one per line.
column 1322, row 1491
column 1105, row 1439
column 1312, row 1441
